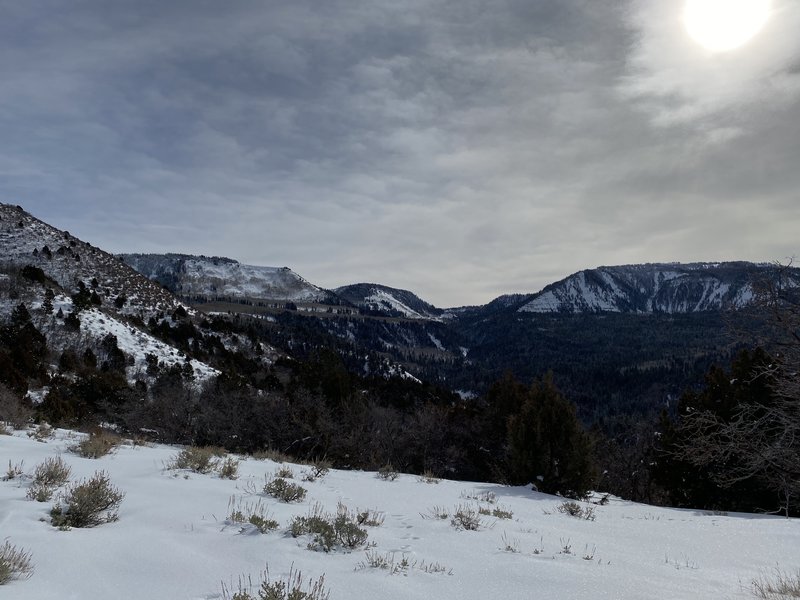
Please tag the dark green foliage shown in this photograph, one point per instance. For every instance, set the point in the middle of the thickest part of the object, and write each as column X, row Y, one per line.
column 547, row 444
column 47, row 303
column 72, row 321
column 23, row 350
column 33, row 274
column 724, row 395
column 82, row 299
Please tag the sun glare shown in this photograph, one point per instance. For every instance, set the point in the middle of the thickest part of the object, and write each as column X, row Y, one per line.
column 723, row 25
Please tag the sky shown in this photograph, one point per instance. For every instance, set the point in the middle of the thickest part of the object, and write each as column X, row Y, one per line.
column 459, row 149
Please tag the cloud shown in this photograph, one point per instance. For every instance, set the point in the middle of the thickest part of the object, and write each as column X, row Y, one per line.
column 459, row 149
column 677, row 81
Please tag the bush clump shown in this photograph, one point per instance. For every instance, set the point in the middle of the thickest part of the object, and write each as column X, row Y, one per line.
column 47, row 478
column 197, row 459
column 15, row 563
column 254, row 514
column 329, row 531
column 228, row 468
column 573, row 509
column 285, row 491
column 97, row 444
column 467, row 518
column 291, row 588
column 387, row 473
column 317, row 469
column 88, row 503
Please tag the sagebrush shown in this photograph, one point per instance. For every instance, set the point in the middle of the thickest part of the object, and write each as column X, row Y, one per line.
column 48, row 476
column 15, row 563
column 97, row 444
column 291, row 588
column 88, row 503
column 329, row 532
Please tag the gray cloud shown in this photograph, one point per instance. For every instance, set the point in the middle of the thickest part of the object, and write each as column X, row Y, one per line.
column 458, row 149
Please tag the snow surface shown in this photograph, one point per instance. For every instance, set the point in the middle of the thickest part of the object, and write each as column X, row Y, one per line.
column 172, row 539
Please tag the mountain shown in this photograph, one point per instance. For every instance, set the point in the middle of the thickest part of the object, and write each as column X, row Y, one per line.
column 96, row 301
column 219, row 278
column 670, row 288
column 377, row 299
column 618, row 340
column 66, row 260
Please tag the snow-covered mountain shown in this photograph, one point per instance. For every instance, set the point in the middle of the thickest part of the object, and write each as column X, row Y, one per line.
column 393, row 302
column 654, row 288
column 219, row 277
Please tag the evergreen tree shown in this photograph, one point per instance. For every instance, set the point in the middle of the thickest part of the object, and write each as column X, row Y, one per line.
column 547, row 444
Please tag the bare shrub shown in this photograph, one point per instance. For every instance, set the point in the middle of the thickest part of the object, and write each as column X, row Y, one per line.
column 42, row 433
column 271, row 454
column 88, row 503
column 502, row 513
column 466, row 518
column 436, row 512
column 228, row 468
column 387, row 473
column 389, row 562
column 369, row 518
column 317, row 469
column 291, row 588
column 573, row 509
column 488, row 497
column 14, row 470
column 14, row 411
column 97, row 444
column 47, row 477
column 428, row 477
column 285, row 491
column 284, row 473
column 777, row 586
column 15, row 563
column 254, row 514
column 197, row 459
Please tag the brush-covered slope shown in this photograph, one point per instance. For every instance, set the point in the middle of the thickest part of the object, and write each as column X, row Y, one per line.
column 66, row 261
column 105, row 297
column 654, row 288
column 203, row 277
column 383, row 300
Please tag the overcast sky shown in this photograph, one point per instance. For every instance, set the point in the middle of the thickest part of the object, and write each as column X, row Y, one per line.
column 461, row 149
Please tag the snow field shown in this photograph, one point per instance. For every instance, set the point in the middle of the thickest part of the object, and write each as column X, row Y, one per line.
column 172, row 539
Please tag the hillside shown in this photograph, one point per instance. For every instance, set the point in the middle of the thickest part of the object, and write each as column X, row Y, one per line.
column 383, row 300
column 653, row 288
column 96, row 301
column 210, row 278
column 175, row 538
column 66, row 260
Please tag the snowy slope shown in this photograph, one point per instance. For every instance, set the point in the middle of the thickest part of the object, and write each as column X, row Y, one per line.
column 391, row 301
column 138, row 344
column 663, row 288
column 217, row 277
column 172, row 539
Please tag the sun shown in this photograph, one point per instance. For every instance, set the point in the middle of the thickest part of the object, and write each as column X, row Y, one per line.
column 723, row 25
